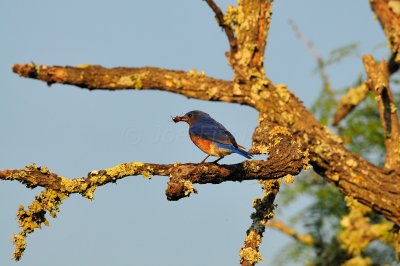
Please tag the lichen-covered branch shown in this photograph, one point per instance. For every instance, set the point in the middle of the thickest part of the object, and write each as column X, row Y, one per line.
column 278, row 225
column 191, row 84
column 285, row 158
column 249, row 253
column 47, row 202
column 378, row 81
column 353, row 175
column 273, row 168
column 357, row 95
column 348, row 102
column 250, row 21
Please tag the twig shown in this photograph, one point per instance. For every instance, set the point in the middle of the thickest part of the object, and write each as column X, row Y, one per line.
column 313, row 52
column 219, row 15
column 278, row 225
column 348, row 102
column 249, row 253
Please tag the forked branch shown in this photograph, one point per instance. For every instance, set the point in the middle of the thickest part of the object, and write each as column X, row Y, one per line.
column 378, row 81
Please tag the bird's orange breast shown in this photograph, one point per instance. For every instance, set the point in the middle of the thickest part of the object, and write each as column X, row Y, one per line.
column 203, row 144
column 208, row 146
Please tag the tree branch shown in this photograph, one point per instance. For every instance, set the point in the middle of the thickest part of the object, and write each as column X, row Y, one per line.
column 390, row 22
column 357, row 95
column 378, row 81
column 191, row 84
column 250, row 21
column 249, row 253
column 348, row 102
column 285, row 158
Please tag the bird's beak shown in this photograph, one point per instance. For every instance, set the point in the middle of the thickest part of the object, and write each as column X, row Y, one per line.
column 177, row 119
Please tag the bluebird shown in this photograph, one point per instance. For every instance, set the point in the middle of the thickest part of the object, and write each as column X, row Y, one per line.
column 210, row 136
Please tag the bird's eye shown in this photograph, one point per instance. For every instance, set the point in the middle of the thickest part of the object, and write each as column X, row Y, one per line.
column 189, row 115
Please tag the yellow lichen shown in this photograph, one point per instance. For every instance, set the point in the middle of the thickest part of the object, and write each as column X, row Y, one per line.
column 130, row 81
column 351, row 163
column 279, row 130
column 289, row 179
column 332, row 136
column 283, row 92
column 288, row 117
column 194, row 73
column 89, row 192
column 148, row 173
column 212, row 92
column 358, row 261
column 334, row 177
column 20, row 245
column 177, row 83
column 71, row 186
column 251, row 255
column 100, row 178
column 188, row 187
column 248, row 253
column 48, row 201
column 306, row 161
column 230, row 15
column 124, row 169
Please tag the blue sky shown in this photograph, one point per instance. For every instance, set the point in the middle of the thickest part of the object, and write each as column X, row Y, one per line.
column 73, row 131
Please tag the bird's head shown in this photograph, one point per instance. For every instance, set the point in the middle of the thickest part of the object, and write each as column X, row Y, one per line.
column 191, row 117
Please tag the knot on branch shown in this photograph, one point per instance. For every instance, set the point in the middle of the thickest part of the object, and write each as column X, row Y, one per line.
column 284, row 152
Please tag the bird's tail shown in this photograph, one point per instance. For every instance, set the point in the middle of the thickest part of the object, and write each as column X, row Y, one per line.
column 243, row 153
column 239, row 150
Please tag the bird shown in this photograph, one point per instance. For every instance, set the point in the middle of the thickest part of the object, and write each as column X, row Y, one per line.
column 210, row 136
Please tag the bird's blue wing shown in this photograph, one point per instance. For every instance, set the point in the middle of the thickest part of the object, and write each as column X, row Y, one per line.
column 213, row 131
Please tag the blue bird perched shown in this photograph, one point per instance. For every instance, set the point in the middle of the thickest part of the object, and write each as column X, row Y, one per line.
column 210, row 136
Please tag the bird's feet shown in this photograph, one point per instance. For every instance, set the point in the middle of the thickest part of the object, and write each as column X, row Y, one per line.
column 216, row 161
